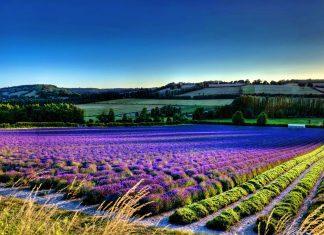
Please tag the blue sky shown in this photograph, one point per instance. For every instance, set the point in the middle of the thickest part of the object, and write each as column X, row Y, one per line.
column 123, row 43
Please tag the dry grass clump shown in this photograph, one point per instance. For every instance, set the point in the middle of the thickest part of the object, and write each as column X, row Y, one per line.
column 312, row 224
column 24, row 217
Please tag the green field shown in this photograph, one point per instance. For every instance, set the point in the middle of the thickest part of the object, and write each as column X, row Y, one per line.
column 131, row 106
column 226, row 90
column 307, row 121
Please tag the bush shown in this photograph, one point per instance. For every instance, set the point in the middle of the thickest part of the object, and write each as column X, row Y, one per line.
column 248, row 187
column 93, row 197
column 238, row 118
column 198, row 114
column 199, row 210
column 262, row 119
column 224, row 221
column 183, row 216
column 210, row 205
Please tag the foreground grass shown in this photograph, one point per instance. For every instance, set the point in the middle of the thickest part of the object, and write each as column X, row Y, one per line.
column 24, row 217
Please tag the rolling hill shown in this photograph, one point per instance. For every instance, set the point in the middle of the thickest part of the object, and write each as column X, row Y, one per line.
column 36, row 91
column 179, row 91
column 236, row 90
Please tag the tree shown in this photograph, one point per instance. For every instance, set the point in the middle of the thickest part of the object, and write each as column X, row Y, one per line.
column 103, row 117
column 178, row 117
column 247, row 82
column 157, row 119
column 125, row 118
column 143, row 116
column 262, row 119
column 155, row 112
column 257, row 82
column 238, row 118
column 111, row 115
column 198, row 114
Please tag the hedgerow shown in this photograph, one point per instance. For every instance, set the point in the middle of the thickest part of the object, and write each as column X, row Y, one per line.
column 290, row 204
column 189, row 214
column 259, row 200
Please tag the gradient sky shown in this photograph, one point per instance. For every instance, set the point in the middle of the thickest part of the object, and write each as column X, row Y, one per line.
column 135, row 43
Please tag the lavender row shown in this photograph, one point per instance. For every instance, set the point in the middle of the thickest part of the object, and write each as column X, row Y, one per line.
column 182, row 164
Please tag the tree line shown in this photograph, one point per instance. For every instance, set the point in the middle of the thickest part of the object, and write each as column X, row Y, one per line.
column 275, row 107
column 166, row 113
column 10, row 113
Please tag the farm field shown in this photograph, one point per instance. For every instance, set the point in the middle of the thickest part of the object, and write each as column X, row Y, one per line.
column 196, row 173
column 306, row 121
column 287, row 89
column 222, row 90
column 131, row 106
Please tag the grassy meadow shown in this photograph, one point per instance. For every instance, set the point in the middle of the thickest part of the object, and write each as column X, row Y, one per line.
column 131, row 106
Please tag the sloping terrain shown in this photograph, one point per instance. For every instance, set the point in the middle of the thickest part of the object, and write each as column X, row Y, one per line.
column 230, row 90
column 36, row 91
column 287, row 89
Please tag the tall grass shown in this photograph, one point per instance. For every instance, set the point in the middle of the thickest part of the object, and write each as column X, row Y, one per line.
column 312, row 224
column 24, row 217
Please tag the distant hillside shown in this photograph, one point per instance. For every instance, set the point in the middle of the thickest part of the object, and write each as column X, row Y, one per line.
column 214, row 90
column 36, row 91
column 221, row 90
column 43, row 93
column 287, row 89
column 84, row 91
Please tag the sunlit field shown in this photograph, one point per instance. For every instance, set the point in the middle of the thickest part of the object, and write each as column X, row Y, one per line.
column 191, row 167
column 131, row 106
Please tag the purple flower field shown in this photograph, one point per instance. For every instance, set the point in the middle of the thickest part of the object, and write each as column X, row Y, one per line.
column 181, row 164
